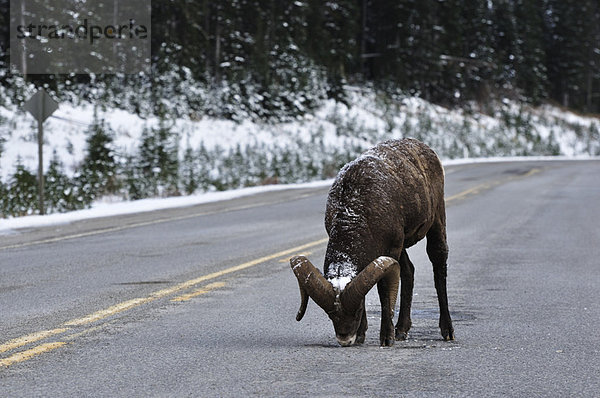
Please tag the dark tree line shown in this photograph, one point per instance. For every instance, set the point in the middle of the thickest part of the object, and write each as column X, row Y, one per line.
column 447, row 51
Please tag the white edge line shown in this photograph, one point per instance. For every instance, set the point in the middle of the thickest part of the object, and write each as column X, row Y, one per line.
column 145, row 205
column 7, row 226
column 511, row 159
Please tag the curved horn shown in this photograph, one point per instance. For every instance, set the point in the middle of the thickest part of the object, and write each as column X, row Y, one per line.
column 312, row 283
column 352, row 296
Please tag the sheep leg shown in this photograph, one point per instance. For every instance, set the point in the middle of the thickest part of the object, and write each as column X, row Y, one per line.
column 362, row 328
column 407, row 276
column 437, row 250
column 387, row 288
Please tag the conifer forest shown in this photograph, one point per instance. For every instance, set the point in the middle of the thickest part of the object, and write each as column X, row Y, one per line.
column 276, row 63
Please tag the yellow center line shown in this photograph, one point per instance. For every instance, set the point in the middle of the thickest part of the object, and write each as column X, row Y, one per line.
column 105, row 313
column 33, row 352
column 115, row 309
column 199, row 292
column 130, row 304
column 193, row 282
column 470, row 191
column 89, row 330
column 461, row 195
column 531, row 172
column 133, row 303
column 30, row 338
column 485, row 186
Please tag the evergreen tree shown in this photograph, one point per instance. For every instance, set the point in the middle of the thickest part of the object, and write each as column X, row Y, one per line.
column 61, row 193
column 4, row 39
column 573, row 52
column 134, row 181
column 531, row 71
column 337, row 25
column 158, row 161
column 21, row 196
column 98, row 172
column 466, row 57
column 278, row 59
column 205, row 163
column 506, row 45
column 190, row 180
column 3, row 200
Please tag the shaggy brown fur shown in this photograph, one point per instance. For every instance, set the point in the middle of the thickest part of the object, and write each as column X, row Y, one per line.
column 380, row 204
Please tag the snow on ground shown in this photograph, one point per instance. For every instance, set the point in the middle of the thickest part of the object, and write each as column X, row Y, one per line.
column 498, row 159
column 100, row 209
column 103, row 209
column 369, row 119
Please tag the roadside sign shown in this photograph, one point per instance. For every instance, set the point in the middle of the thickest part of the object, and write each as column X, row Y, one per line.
column 41, row 105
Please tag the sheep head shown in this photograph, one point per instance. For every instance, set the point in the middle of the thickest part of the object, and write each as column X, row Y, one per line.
column 345, row 308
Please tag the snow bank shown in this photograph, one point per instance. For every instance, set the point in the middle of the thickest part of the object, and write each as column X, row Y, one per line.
column 104, row 209
column 100, row 209
column 499, row 159
column 318, row 143
column 369, row 119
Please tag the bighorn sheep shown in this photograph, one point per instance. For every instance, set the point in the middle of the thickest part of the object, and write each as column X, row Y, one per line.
column 380, row 204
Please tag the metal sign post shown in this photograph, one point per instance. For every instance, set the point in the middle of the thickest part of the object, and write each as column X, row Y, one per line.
column 41, row 106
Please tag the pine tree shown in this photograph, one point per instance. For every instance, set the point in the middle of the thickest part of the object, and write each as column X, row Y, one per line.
column 158, row 162
column 4, row 42
column 206, row 164
column 98, row 172
column 4, row 29
column 573, row 52
column 464, row 41
column 3, row 200
column 22, row 196
column 531, row 72
column 336, row 24
column 506, row 41
column 190, row 180
column 134, row 181
column 61, row 192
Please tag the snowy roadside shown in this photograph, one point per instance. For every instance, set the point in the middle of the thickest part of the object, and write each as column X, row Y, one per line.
column 102, row 209
column 507, row 159
column 208, row 154
column 334, row 126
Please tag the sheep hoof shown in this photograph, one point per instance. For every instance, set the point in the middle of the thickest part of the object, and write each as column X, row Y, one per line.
column 402, row 328
column 448, row 334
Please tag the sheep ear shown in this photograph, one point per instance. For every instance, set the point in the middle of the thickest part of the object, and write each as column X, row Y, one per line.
column 312, row 284
column 351, row 297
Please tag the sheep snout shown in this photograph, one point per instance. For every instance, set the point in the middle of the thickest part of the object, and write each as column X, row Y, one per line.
column 346, row 341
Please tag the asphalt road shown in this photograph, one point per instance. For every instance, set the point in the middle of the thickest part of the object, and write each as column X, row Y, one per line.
column 201, row 301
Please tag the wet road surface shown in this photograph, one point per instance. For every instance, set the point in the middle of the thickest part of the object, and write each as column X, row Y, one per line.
column 201, row 301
